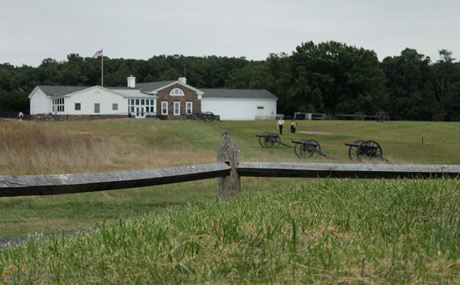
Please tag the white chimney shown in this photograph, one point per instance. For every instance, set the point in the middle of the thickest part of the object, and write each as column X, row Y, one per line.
column 131, row 82
column 183, row 80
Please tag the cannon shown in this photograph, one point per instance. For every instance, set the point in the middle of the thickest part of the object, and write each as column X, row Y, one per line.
column 307, row 148
column 270, row 140
column 365, row 149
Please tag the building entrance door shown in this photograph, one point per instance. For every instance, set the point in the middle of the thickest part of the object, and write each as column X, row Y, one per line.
column 140, row 112
column 260, row 112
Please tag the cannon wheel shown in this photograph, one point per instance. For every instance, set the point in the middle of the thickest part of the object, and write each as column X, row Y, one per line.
column 298, row 148
column 353, row 151
column 360, row 116
column 307, row 149
column 369, row 149
column 262, row 139
column 271, row 140
column 382, row 116
column 208, row 117
column 310, row 149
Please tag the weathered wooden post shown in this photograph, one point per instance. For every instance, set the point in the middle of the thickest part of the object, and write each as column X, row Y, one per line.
column 229, row 153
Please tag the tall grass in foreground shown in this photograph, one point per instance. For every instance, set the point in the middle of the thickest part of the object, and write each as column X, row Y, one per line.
column 330, row 231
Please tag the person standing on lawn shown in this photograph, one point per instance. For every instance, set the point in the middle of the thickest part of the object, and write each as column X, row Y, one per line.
column 280, row 125
column 293, row 127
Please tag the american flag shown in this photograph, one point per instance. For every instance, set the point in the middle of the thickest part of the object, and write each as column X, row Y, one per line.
column 98, row 54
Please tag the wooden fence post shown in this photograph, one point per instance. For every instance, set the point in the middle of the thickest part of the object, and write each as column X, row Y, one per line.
column 230, row 185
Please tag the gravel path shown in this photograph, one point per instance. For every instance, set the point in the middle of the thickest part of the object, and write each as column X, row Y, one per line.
column 23, row 239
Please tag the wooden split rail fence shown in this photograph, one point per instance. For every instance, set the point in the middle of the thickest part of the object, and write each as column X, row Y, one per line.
column 228, row 170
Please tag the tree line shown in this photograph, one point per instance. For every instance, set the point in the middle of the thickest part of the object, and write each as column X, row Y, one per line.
column 329, row 77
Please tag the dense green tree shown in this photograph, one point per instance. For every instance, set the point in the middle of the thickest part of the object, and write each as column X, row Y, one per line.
column 446, row 77
column 333, row 78
column 252, row 76
column 14, row 101
column 6, row 73
column 278, row 77
column 408, row 83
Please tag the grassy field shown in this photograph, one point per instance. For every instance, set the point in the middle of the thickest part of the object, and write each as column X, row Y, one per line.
column 112, row 145
column 280, row 230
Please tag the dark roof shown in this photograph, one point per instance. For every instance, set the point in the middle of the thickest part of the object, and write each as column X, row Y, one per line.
column 64, row 90
column 238, row 93
column 150, row 86
column 60, row 90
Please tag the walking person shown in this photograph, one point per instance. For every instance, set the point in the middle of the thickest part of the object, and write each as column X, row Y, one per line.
column 21, row 115
column 293, row 127
column 280, row 125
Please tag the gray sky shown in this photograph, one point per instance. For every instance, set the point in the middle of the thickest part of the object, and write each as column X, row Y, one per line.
column 32, row 30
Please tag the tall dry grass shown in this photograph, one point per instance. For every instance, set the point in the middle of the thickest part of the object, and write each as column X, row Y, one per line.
column 28, row 148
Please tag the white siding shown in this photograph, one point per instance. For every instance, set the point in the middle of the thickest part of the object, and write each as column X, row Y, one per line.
column 88, row 97
column 238, row 108
column 39, row 103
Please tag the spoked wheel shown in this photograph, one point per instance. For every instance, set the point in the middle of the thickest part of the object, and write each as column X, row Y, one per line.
column 310, row 149
column 298, row 148
column 353, row 151
column 307, row 149
column 262, row 139
column 272, row 140
column 369, row 149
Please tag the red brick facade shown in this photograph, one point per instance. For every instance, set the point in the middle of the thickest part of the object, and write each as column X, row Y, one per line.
column 189, row 96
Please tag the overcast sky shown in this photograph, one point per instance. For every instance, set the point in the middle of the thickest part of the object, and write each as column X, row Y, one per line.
column 32, row 30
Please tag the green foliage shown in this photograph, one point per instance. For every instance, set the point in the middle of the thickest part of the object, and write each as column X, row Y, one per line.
column 14, row 101
column 410, row 87
column 333, row 78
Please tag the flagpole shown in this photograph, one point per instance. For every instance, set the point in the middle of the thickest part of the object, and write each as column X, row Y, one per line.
column 102, row 69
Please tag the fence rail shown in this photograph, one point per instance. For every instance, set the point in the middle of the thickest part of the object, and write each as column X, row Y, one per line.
column 337, row 170
column 228, row 170
column 89, row 182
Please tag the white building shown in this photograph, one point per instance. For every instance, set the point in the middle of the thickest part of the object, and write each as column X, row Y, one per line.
column 166, row 99
column 239, row 104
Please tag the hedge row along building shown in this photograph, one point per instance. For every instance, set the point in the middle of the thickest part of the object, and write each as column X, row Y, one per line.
column 166, row 99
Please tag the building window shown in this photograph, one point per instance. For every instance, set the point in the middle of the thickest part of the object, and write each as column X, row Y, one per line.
column 176, row 92
column 132, row 109
column 77, row 106
column 137, row 101
column 58, row 105
column 189, row 108
column 164, row 108
column 97, row 108
column 176, row 108
column 115, row 107
column 260, row 107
